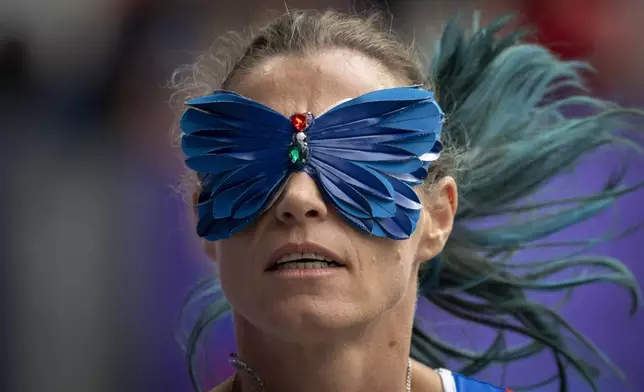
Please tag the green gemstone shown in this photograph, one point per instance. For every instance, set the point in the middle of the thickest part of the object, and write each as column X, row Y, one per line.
column 294, row 154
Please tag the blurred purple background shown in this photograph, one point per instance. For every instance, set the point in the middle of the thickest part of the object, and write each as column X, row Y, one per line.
column 99, row 242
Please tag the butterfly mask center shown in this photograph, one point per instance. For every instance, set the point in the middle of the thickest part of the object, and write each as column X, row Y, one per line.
column 298, row 153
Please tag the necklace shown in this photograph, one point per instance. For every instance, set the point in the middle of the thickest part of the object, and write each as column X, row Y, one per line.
column 242, row 366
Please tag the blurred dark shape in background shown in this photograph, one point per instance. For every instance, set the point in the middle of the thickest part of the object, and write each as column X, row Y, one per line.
column 14, row 75
column 99, row 244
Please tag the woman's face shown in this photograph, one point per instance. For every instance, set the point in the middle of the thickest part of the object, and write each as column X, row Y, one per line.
column 377, row 274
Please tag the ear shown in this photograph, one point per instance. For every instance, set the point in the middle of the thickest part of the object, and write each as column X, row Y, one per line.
column 437, row 218
column 208, row 246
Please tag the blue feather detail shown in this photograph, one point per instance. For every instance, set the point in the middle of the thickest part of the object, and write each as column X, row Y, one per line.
column 365, row 154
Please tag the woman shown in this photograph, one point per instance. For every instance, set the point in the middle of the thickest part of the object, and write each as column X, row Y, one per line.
column 327, row 167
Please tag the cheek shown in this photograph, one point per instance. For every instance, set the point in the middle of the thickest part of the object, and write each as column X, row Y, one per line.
column 395, row 255
column 390, row 271
column 233, row 266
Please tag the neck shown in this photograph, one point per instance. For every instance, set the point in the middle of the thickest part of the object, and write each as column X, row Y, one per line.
column 372, row 357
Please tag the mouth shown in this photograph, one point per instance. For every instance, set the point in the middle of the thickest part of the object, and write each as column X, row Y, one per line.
column 298, row 258
column 303, row 261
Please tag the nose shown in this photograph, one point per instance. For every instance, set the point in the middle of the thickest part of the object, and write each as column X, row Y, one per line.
column 301, row 201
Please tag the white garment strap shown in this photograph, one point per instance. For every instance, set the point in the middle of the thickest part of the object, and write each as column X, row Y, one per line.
column 449, row 385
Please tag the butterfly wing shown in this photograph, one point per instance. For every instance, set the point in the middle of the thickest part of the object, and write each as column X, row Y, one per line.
column 240, row 147
column 367, row 154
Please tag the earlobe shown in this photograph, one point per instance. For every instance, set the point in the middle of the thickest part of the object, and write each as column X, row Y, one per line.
column 437, row 218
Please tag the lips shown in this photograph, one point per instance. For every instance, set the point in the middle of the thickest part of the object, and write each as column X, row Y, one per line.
column 304, row 252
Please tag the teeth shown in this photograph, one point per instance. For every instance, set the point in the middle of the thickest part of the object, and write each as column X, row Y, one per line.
column 302, row 256
column 305, row 265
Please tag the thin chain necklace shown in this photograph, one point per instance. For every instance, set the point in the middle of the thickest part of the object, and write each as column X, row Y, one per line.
column 242, row 366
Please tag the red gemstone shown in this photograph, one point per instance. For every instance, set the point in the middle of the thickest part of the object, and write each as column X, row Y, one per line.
column 299, row 121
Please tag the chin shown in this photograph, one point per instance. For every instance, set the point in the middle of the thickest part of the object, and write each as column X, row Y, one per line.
column 301, row 320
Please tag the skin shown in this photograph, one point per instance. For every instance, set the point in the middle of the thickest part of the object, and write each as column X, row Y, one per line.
column 349, row 331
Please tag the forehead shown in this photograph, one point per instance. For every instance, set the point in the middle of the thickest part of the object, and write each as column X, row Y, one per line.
column 299, row 83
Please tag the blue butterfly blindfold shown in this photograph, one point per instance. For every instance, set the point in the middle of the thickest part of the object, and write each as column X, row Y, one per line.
column 364, row 154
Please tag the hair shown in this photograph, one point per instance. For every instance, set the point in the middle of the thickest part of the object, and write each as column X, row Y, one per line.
column 507, row 134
